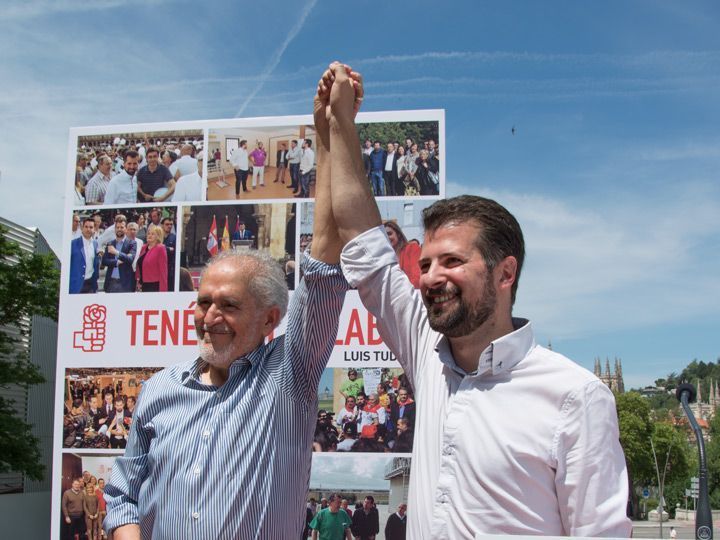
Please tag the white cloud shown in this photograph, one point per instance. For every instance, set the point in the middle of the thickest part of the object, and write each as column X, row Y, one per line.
column 24, row 9
column 275, row 59
column 625, row 261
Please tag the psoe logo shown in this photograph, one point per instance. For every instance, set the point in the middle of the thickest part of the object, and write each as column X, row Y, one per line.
column 92, row 336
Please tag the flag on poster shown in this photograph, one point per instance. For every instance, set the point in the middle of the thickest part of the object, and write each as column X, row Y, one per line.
column 212, row 242
column 236, row 233
column 226, row 236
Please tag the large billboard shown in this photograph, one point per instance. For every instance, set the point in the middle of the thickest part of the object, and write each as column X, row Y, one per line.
column 129, row 314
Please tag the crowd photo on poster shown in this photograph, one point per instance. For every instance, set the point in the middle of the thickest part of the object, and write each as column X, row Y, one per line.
column 401, row 159
column 365, row 410
column 123, row 250
column 144, row 167
column 99, row 405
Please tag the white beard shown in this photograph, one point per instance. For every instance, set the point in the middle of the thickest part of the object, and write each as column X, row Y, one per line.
column 221, row 358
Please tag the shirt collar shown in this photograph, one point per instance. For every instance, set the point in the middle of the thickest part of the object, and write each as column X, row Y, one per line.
column 192, row 370
column 501, row 355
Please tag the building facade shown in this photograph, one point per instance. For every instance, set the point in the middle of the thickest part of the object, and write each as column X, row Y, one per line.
column 36, row 403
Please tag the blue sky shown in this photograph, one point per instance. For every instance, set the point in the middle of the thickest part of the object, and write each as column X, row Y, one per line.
column 612, row 172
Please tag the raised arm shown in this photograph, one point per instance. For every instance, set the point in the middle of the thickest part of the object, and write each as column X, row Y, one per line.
column 326, row 244
column 353, row 203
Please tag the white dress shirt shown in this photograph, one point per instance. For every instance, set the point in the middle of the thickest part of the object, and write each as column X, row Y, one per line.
column 239, row 159
column 122, row 189
column 293, row 155
column 526, row 445
column 89, row 248
column 188, row 188
column 138, row 249
column 307, row 160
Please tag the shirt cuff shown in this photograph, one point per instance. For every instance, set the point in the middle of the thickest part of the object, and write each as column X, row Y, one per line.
column 313, row 269
column 366, row 254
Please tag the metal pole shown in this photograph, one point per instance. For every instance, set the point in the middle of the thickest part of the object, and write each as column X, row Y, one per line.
column 661, row 482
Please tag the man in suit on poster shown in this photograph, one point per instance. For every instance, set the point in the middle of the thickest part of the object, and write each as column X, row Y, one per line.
column 281, row 163
column 118, row 259
column 84, row 260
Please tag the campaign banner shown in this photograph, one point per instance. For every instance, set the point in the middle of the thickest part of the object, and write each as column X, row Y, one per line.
column 147, row 205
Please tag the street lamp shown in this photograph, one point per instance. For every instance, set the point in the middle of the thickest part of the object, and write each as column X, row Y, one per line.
column 661, row 482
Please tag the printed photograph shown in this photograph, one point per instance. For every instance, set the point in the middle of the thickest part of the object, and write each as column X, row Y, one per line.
column 372, row 491
column 274, row 162
column 402, row 159
column 99, row 405
column 123, row 250
column 364, row 410
column 145, row 167
column 82, row 503
column 403, row 225
column 208, row 230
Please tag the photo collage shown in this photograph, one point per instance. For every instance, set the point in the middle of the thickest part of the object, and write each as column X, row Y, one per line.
column 151, row 206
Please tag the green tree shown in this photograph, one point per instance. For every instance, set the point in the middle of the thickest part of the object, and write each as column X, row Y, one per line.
column 386, row 132
column 28, row 286
column 672, row 445
column 636, row 428
column 712, row 451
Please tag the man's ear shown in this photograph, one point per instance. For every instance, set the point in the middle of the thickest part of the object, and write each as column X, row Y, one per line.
column 272, row 319
column 505, row 273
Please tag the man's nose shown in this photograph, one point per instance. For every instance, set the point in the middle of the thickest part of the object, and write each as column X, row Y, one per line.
column 212, row 316
column 434, row 277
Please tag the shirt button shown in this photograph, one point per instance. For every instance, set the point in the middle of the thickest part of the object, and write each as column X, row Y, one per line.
column 197, row 470
column 447, row 450
column 196, row 515
column 206, row 433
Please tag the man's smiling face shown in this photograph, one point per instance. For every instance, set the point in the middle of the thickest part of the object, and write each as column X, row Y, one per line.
column 455, row 284
column 228, row 320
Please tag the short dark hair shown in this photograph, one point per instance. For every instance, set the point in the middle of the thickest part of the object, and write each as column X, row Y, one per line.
column 500, row 235
column 371, row 499
column 295, row 141
column 130, row 154
column 308, row 142
column 152, row 150
column 242, row 143
column 166, row 219
column 88, row 218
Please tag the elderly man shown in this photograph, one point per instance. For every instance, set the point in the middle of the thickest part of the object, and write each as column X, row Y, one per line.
column 98, row 184
column 196, row 424
column 123, row 186
column 510, row 438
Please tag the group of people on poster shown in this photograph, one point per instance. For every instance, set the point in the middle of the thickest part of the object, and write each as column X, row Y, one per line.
column 334, row 518
column 98, row 416
column 114, row 173
column 83, row 507
column 134, row 250
column 374, row 417
column 402, row 170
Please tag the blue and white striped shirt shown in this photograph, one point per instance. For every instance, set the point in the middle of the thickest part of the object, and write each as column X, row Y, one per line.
column 232, row 461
